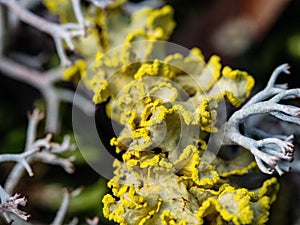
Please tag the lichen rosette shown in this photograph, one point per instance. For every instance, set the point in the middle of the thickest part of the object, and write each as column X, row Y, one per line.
column 168, row 106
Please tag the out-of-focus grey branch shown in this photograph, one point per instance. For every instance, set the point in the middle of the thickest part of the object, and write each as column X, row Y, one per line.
column 94, row 221
column 61, row 213
column 34, row 62
column 131, row 7
column 101, row 3
column 45, row 83
column 9, row 208
column 13, row 20
column 47, row 153
column 58, row 32
column 19, row 158
column 272, row 151
column 271, row 89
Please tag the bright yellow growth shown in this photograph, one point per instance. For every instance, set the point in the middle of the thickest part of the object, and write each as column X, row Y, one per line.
column 168, row 107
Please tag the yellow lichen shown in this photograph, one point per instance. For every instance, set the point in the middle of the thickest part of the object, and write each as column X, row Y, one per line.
column 168, row 107
column 77, row 69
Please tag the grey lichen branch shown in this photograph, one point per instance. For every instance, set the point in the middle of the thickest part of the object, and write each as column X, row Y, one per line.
column 51, row 156
column 131, row 7
column 61, row 213
column 58, row 32
column 271, row 89
column 44, row 151
column 23, row 158
column 19, row 158
column 270, row 152
column 9, row 205
column 94, row 221
column 45, row 83
column 102, row 4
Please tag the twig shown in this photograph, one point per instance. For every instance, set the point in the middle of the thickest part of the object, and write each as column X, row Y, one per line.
column 47, row 153
column 9, row 205
column 102, row 4
column 58, row 32
column 94, row 221
column 49, row 149
column 74, row 221
column 45, row 83
column 78, row 14
column 271, row 89
column 61, row 213
column 271, row 150
column 131, row 7
column 19, row 158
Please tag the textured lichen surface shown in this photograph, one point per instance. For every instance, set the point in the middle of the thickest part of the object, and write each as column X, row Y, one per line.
column 168, row 107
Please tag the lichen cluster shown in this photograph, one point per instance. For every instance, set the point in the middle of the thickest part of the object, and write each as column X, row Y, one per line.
column 162, row 179
column 168, row 107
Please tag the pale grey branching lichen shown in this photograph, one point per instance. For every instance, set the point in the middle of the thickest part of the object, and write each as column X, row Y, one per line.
column 59, row 32
column 45, row 83
column 61, row 213
column 42, row 150
column 9, row 205
column 271, row 150
column 11, row 213
column 163, row 178
column 93, row 221
column 19, row 158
